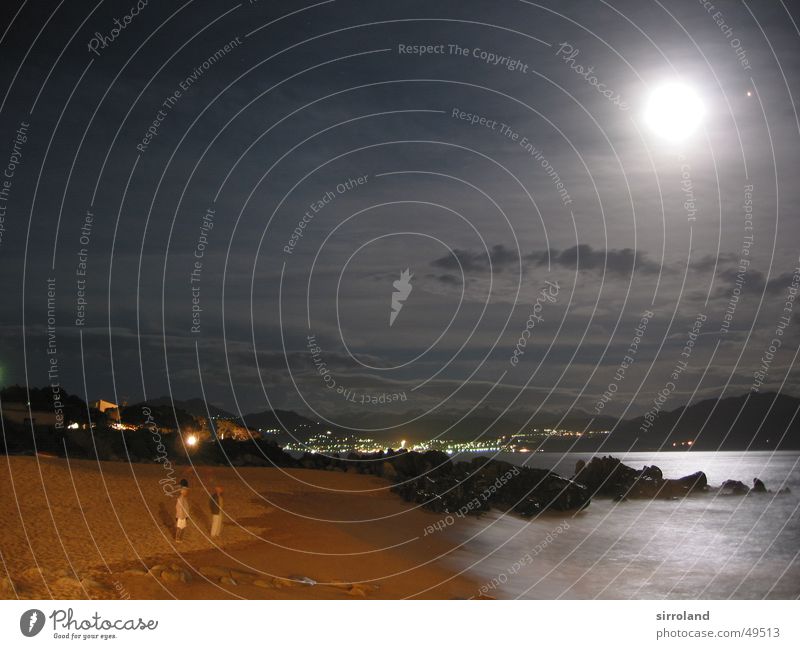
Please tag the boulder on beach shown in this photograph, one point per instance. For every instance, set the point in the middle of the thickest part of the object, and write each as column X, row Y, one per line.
column 176, row 574
column 243, row 576
column 134, row 572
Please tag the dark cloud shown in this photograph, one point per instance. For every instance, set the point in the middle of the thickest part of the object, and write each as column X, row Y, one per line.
column 582, row 257
column 585, row 258
column 446, row 278
column 707, row 263
column 779, row 285
column 498, row 259
column 753, row 282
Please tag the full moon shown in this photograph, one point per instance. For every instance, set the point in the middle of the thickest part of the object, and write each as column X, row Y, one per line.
column 674, row 111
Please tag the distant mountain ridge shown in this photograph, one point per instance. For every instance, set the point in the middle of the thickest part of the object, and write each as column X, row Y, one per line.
column 197, row 407
column 752, row 420
column 755, row 421
column 266, row 419
column 280, row 420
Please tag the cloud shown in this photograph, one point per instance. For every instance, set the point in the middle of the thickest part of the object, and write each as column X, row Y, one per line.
column 710, row 262
column 582, row 257
column 446, row 278
column 754, row 282
column 780, row 284
column 478, row 261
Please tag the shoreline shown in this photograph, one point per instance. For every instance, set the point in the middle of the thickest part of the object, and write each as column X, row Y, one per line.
column 79, row 529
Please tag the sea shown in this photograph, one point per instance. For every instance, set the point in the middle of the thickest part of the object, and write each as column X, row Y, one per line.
column 709, row 546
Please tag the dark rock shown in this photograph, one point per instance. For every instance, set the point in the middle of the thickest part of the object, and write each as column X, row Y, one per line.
column 410, row 464
column 652, row 473
column 469, row 488
column 388, row 471
column 694, row 482
column 734, row 488
column 607, row 476
column 438, row 460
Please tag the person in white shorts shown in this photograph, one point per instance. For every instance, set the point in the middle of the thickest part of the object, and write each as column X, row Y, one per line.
column 181, row 513
column 216, row 511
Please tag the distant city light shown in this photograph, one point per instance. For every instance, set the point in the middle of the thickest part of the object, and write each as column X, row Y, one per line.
column 191, row 440
column 340, row 442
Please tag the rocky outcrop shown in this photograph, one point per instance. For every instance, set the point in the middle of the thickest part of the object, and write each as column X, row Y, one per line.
column 608, row 476
column 434, row 481
column 469, row 488
column 734, row 488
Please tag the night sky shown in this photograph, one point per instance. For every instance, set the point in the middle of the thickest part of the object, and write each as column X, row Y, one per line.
column 219, row 200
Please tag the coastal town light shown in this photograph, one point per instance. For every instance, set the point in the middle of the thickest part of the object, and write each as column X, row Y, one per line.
column 191, row 440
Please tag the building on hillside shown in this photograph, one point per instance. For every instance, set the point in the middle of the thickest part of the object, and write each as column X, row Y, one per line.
column 110, row 411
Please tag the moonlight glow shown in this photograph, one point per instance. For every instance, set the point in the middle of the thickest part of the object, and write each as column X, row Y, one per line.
column 674, row 111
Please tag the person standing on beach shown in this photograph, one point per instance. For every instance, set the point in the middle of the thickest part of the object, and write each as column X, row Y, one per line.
column 181, row 513
column 216, row 504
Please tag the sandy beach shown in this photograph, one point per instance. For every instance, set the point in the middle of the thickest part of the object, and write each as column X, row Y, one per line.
column 87, row 529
